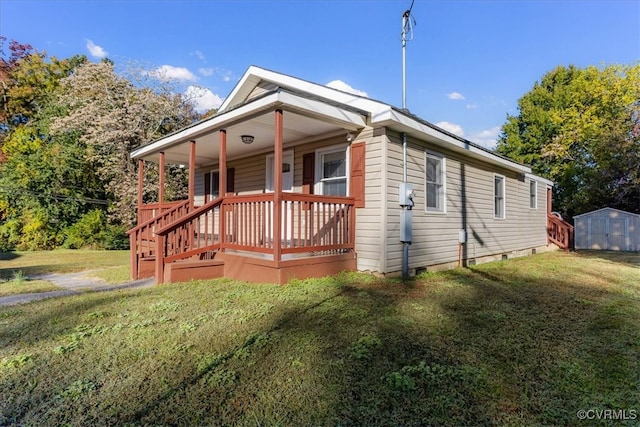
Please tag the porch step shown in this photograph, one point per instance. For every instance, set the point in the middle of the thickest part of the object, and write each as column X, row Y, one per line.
column 146, row 267
column 182, row 271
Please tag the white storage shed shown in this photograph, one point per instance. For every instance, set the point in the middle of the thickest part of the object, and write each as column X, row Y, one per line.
column 607, row 229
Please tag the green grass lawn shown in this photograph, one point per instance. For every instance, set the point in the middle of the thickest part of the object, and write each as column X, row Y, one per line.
column 521, row 342
column 17, row 268
column 60, row 261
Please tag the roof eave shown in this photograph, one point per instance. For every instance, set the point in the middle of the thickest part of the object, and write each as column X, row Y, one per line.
column 401, row 122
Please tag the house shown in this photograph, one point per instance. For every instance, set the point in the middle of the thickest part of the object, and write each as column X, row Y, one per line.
column 607, row 229
column 333, row 203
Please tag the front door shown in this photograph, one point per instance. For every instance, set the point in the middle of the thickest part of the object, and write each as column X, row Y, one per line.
column 287, row 172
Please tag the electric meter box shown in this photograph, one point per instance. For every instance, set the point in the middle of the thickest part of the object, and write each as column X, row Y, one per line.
column 406, row 194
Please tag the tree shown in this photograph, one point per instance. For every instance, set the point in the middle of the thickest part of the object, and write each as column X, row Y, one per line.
column 114, row 115
column 44, row 183
column 27, row 80
column 581, row 129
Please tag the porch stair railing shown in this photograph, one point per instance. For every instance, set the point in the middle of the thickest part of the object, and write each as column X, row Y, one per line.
column 195, row 235
column 142, row 237
column 560, row 231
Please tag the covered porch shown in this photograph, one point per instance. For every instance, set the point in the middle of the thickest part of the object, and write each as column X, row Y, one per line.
column 270, row 234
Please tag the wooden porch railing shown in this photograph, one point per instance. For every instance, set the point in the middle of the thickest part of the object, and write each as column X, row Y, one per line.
column 559, row 232
column 194, row 234
column 309, row 224
column 142, row 237
column 152, row 210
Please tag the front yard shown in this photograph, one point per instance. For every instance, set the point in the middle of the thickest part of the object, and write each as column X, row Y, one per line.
column 530, row 341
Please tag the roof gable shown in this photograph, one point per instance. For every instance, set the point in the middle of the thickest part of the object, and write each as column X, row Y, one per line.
column 256, row 80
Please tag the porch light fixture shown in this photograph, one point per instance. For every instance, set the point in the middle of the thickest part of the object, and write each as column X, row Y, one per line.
column 349, row 137
column 247, row 139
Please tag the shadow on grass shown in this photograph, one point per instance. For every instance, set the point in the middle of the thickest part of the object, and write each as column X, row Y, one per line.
column 626, row 258
column 484, row 349
column 8, row 256
column 33, row 270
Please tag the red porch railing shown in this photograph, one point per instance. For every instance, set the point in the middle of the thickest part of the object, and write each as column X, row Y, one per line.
column 559, row 232
column 152, row 210
column 309, row 224
column 142, row 237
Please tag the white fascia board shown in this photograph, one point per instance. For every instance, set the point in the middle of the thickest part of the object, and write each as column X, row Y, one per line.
column 310, row 107
column 395, row 120
column 255, row 74
column 539, row 179
column 238, row 88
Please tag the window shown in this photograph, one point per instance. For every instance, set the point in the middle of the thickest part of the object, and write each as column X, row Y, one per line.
column 435, row 183
column 498, row 196
column 332, row 171
column 533, row 194
column 212, row 183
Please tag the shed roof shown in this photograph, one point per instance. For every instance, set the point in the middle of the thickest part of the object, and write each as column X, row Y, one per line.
column 607, row 209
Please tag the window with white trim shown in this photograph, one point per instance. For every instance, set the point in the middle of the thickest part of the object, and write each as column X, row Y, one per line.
column 331, row 171
column 498, row 196
column 435, row 188
column 533, row 194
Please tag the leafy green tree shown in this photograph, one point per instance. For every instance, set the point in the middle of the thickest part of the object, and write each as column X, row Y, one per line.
column 44, row 182
column 580, row 127
column 113, row 115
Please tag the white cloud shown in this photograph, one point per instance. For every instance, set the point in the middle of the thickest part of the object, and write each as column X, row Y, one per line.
column 472, row 106
column 200, row 56
column 451, row 127
column 487, row 138
column 340, row 85
column 456, row 96
column 95, row 50
column 203, row 99
column 206, row 71
column 169, row 72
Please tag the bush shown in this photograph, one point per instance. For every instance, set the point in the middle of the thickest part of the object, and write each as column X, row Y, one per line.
column 115, row 237
column 93, row 232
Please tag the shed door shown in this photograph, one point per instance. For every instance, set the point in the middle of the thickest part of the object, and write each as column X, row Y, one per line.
column 597, row 233
column 618, row 235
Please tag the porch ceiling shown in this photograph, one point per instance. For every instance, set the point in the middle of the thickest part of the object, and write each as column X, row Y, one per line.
column 303, row 119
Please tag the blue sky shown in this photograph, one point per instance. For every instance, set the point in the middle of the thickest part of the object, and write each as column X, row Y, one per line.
column 467, row 66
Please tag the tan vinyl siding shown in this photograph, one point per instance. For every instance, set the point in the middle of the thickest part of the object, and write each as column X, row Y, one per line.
column 435, row 235
column 198, row 199
column 369, row 245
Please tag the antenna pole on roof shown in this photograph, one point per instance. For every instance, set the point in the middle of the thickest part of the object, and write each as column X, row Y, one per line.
column 405, row 191
column 407, row 35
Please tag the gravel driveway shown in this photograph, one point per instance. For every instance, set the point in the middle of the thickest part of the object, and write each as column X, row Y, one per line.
column 73, row 284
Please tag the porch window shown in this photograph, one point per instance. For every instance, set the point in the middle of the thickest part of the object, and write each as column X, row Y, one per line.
column 498, row 197
column 533, row 194
column 332, row 167
column 435, row 183
column 212, row 183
